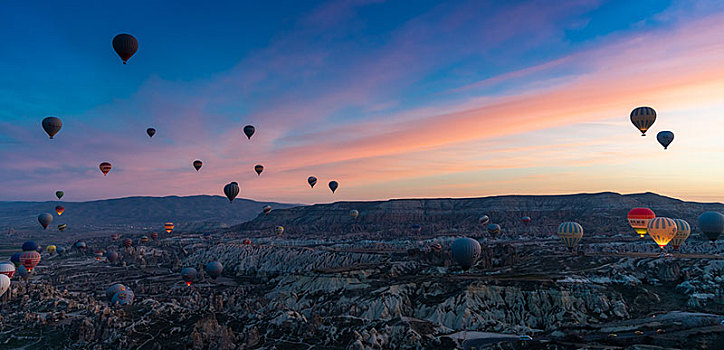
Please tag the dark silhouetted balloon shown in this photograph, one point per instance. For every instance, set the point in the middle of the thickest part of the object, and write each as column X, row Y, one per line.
column 125, row 45
column 189, row 275
column 333, row 185
column 642, row 118
column 60, row 250
column 493, row 229
column 416, row 229
column 21, row 271
column 151, row 132
column 30, row 246
column 249, row 131
column 665, row 138
column 59, row 194
column 112, row 256
column 354, row 213
column 214, row 269
column 198, row 164
column 312, row 181
column 712, row 224
column 81, row 245
column 466, row 252
column 231, row 190
column 45, row 219
column 52, row 125
column 267, row 209
column 154, row 236
column 105, row 168
column 258, row 168
column 15, row 259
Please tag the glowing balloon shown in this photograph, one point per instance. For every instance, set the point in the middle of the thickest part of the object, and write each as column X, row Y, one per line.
column 639, row 219
column 662, row 230
column 168, row 227
column 59, row 209
column 189, row 275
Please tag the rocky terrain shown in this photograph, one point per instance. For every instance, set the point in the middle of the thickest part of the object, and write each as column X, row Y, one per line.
column 286, row 294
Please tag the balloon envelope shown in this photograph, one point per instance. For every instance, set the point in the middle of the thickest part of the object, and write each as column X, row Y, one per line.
column 258, row 169
column 483, row 220
column 466, row 252
column 29, row 246
column 712, row 224
column 570, row 233
column 333, row 185
column 665, row 138
column 112, row 256
column 662, row 230
column 45, row 219
column 354, row 213
column 279, row 230
column 51, row 249
column 123, row 298
column 639, row 219
column 267, row 209
column 189, row 275
column 112, row 290
column 59, row 209
column 105, row 168
column 198, row 164
column 526, row 219
column 4, row 284
column 494, row 229
column 642, row 118
column 52, row 125
column 168, row 227
column 125, row 46
column 151, row 132
column 312, row 181
column 30, row 259
column 15, row 259
column 59, row 194
column 214, row 269
column 231, row 190
column 7, row 268
column 683, row 230
column 249, row 131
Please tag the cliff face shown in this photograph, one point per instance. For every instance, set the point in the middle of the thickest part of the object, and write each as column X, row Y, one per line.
column 598, row 213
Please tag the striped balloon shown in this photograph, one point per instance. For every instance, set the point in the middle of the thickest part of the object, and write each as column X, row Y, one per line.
column 662, row 230
column 683, row 230
column 168, row 226
column 570, row 233
column 642, row 118
column 30, row 259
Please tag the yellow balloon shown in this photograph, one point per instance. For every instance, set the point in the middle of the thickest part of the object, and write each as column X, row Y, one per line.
column 51, row 249
column 662, row 230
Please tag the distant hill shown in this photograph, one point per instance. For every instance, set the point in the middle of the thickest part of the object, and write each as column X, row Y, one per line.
column 599, row 213
column 131, row 214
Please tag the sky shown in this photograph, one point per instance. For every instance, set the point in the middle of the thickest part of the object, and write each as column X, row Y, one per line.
column 392, row 99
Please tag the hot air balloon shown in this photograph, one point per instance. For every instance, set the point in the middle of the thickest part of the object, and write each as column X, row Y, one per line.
column 115, row 237
column 15, row 259
column 62, row 227
column 98, row 254
column 333, row 185
column 105, row 168
column 484, row 220
column 45, row 219
column 127, row 242
column 279, row 230
column 4, row 284
column 526, row 220
column 151, row 132
column 144, row 239
column 125, row 46
column 80, row 245
column 112, row 256
column 52, row 125
column 642, row 118
column 231, row 190
column 7, row 269
column 30, row 259
column 494, row 229
column 168, row 226
column 248, row 131
column 639, row 219
column 267, row 209
column 712, row 224
column 59, row 209
column 436, row 247
column 312, row 181
column 570, row 233
column 123, row 298
column 214, row 269
column 59, row 194
column 51, row 249
column 465, row 251
column 683, row 230
column 30, row 246
column 246, row 241
column 60, row 250
column 416, row 229
column 154, row 236
column 112, row 290
column 665, row 138
column 662, row 230
column 198, row 164
column 258, row 169
column 189, row 275
column 354, row 213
